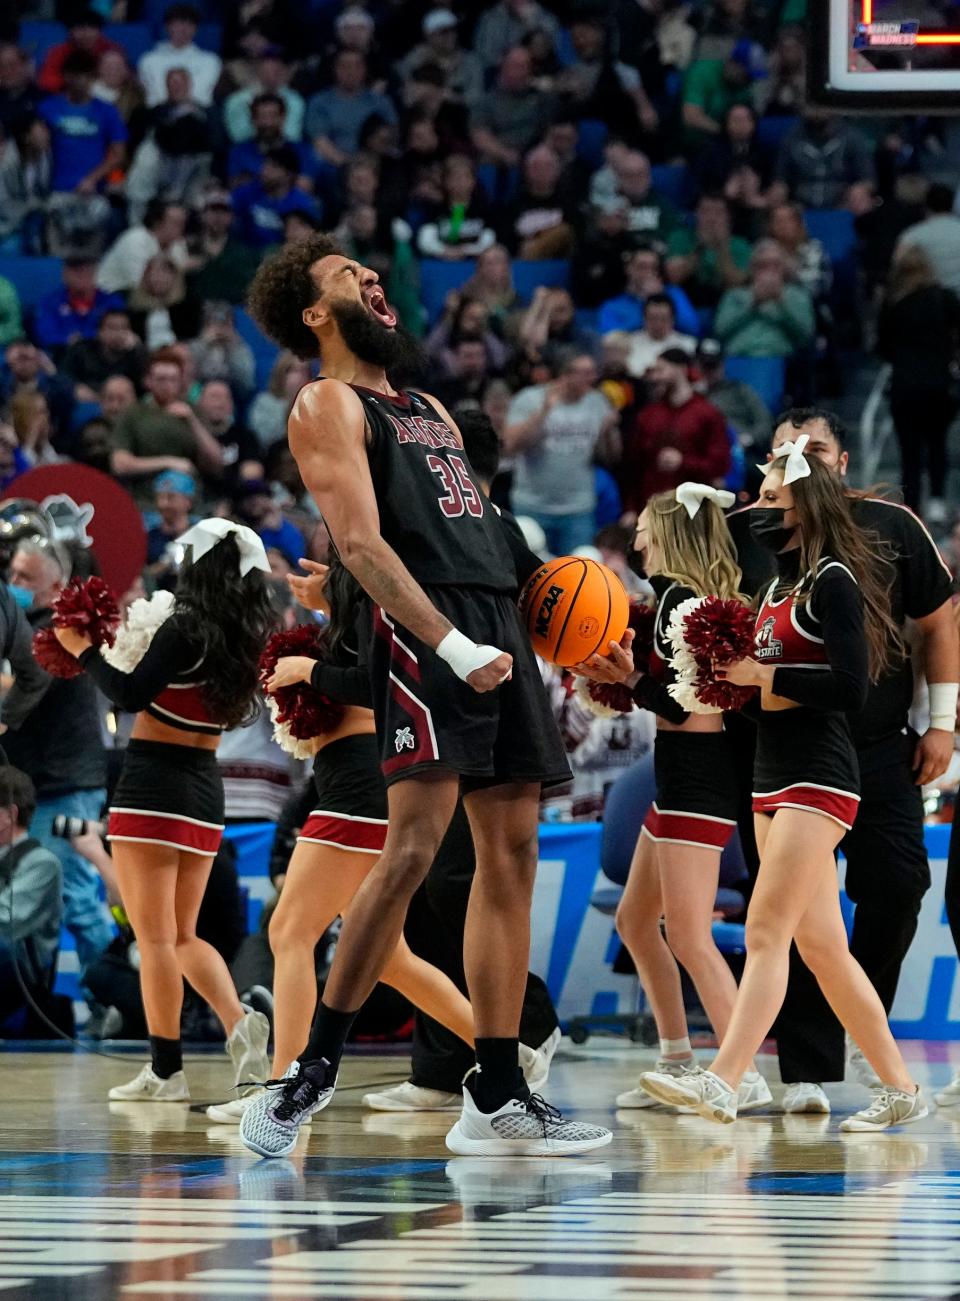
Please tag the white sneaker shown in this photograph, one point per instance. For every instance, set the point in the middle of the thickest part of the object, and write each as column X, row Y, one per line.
column 859, row 1068
column 535, row 1062
column 889, row 1107
column 706, row 1093
column 950, row 1096
column 231, row 1113
column 806, row 1099
column 148, row 1087
column 271, row 1124
column 521, row 1127
column 411, row 1097
column 634, row 1099
column 753, row 1093
column 247, row 1049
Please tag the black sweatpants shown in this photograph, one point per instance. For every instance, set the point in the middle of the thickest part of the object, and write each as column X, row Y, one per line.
column 434, row 930
column 887, row 877
column 952, row 888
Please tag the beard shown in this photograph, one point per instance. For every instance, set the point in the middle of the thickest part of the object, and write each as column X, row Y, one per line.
column 395, row 350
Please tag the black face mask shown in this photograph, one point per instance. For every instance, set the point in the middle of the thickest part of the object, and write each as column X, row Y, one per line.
column 767, row 527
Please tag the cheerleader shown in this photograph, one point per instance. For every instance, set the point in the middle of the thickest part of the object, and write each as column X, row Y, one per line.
column 341, row 840
column 197, row 677
column 687, row 552
column 823, row 632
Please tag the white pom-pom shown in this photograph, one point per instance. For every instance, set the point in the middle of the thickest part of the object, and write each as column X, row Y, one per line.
column 144, row 617
column 596, row 707
column 300, row 749
column 684, row 692
column 675, row 633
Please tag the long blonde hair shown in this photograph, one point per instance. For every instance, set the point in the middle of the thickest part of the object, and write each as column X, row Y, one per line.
column 699, row 552
column 911, row 271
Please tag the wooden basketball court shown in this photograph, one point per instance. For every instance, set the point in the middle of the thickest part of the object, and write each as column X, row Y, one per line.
column 103, row 1199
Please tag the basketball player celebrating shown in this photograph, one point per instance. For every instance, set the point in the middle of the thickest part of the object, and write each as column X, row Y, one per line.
column 456, row 693
column 887, row 872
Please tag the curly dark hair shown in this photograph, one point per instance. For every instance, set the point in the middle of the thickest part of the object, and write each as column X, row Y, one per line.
column 283, row 289
column 231, row 617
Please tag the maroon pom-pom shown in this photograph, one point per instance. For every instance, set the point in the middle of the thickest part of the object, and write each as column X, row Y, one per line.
column 614, row 695
column 88, row 607
column 718, row 632
column 642, row 618
column 306, row 712
column 51, row 656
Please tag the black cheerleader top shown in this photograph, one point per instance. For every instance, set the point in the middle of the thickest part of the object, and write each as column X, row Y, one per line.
column 810, row 627
column 651, row 691
column 165, row 684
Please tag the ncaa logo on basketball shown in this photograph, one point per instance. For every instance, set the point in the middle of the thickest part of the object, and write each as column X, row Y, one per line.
column 588, row 627
column 547, row 607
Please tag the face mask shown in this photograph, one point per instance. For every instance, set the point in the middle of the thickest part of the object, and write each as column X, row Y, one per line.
column 767, row 527
column 21, row 595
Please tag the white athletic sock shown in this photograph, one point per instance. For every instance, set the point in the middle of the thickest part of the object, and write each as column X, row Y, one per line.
column 676, row 1048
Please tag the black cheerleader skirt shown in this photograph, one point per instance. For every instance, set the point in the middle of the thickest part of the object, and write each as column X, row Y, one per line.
column 806, row 760
column 168, row 795
column 696, row 800
column 351, row 810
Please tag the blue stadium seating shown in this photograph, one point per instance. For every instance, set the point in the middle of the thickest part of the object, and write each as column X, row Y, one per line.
column 766, row 375
column 39, row 37
column 265, row 353
column 834, row 228
column 32, row 277
column 133, row 38
column 591, row 138
column 772, row 130
column 672, row 181
column 437, row 278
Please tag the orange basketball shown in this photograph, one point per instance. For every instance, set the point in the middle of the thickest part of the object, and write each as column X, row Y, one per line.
column 572, row 608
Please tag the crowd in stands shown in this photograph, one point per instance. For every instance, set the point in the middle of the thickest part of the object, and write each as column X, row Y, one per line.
column 618, row 227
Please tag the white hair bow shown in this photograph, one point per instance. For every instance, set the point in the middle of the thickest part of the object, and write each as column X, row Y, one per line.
column 797, row 467
column 691, row 497
column 201, row 537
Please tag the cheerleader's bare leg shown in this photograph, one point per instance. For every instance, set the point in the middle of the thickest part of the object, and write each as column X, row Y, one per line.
column 822, row 941
column 688, row 884
column 796, row 858
column 320, row 884
column 638, row 925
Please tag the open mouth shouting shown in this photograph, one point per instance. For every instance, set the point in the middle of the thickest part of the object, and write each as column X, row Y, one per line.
column 376, row 305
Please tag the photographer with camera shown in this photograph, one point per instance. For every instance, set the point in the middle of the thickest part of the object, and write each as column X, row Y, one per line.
column 31, row 906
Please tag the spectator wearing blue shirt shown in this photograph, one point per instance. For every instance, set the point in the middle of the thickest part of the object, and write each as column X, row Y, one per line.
column 75, row 311
column 336, row 116
column 87, row 134
column 261, row 206
column 268, row 114
column 645, row 276
column 255, row 506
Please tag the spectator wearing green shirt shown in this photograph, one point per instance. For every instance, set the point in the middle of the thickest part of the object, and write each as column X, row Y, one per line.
column 708, row 260
column 713, row 86
column 11, row 323
column 770, row 316
column 628, row 177
column 161, row 433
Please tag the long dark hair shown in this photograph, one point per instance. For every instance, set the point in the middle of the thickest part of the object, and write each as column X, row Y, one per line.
column 827, row 528
column 345, row 597
column 231, row 618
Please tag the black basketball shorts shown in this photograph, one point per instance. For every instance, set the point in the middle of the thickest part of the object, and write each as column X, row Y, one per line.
column 428, row 719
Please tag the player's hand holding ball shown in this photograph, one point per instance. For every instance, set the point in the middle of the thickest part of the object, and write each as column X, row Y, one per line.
column 616, row 666
column 574, row 608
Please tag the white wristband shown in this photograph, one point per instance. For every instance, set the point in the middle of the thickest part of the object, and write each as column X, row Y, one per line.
column 943, row 705
column 465, row 656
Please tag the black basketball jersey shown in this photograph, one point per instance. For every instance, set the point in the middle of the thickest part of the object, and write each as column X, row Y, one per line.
column 432, row 510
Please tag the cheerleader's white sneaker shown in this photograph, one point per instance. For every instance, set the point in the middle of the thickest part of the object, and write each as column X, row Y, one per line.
column 149, row 1087
column 704, row 1092
column 638, row 1098
column 950, row 1096
column 806, row 1100
column 889, row 1107
column 753, row 1093
column 247, row 1048
column 411, row 1097
column 231, row 1113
